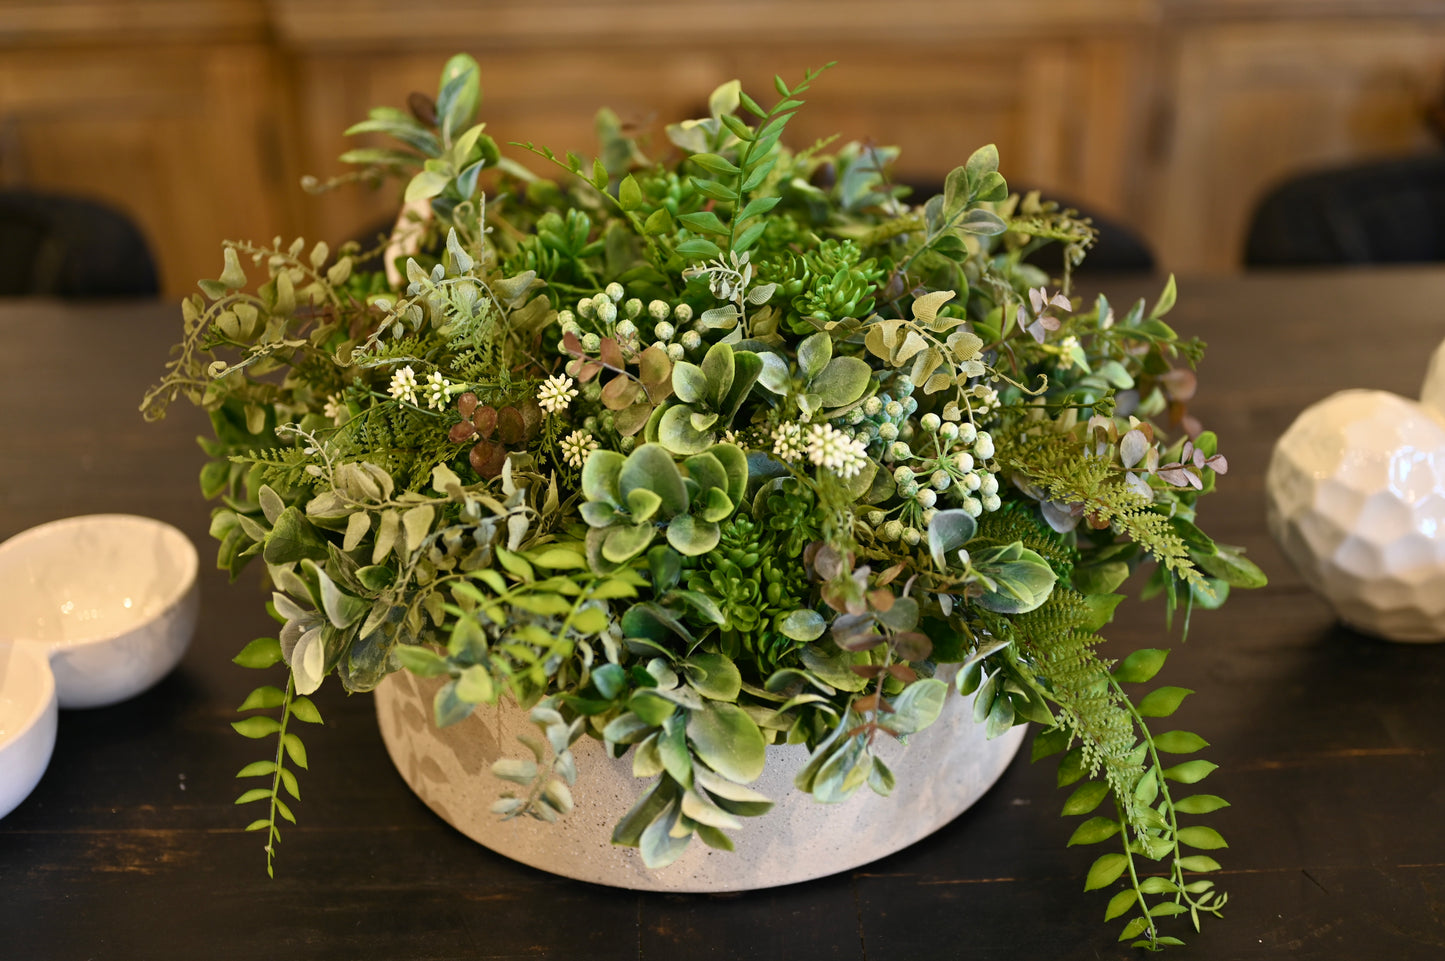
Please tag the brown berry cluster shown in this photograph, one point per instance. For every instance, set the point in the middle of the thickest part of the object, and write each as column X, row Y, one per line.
column 496, row 430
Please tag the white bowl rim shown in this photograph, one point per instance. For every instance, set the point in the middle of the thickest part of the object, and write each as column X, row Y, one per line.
column 41, row 660
column 190, row 566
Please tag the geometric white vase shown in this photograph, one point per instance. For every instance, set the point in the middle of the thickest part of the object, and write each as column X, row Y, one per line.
column 940, row 772
column 1355, row 494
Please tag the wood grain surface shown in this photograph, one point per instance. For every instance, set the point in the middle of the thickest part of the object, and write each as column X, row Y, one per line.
column 1329, row 743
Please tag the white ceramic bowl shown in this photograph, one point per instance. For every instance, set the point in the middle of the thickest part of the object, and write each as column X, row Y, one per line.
column 113, row 598
column 27, row 721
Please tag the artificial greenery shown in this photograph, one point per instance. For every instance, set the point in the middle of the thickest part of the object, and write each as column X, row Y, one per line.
column 693, row 455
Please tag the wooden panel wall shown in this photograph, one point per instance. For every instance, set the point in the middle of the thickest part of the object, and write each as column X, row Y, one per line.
column 199, row 117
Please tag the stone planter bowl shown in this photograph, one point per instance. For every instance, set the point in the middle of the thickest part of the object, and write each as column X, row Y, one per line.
column 941, row 771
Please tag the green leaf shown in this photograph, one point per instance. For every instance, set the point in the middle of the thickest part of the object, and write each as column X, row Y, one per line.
column 727, row 740
column 256, row 726
column 1093, row 831
column 1106, row 870
column 629, row 195
column 1199, row 863
column 255, row 794
column 1179, row 742
column 263, row 698
column 425, row 185
column 1200, row 804
column 715, row 164
column 1134, row 928
column 1048, row 743
column 697, row 248
column 842, row 382
column 303, row 710
column 294, row 749
column 1086, row 797
column 703, row 221
column 1140, row 666
column 801, row 625
column 714, row 676
column 260, row 653
column 1166, row 300
column 1190, row 772
column 917, row 706
column 1230, row 565
column 1120, row 903
column 293, row 538
column 1201, row 837
column 257, row 769
column 1163, row 701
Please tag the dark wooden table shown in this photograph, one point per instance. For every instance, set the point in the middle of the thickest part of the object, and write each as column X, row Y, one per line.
column 1329, row 743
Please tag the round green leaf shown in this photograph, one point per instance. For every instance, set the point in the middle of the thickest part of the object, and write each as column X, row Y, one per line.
column 727, row 740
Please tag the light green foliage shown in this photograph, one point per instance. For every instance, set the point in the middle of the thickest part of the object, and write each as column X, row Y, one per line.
column 707, row 454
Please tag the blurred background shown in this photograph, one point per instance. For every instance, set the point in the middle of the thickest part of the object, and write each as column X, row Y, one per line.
column 1174, row 119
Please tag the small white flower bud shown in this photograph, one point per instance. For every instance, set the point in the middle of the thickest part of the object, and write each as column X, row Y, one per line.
column 926, row 497
column 664, row 331
column 929, row 515
column 683, row 313
column 984, row 445
column 893, row 409
column 658, row 310
column 606, row 311
column 872, row 406
column 963, row 460
column 992, row 503
column 972, row 506
column 948, row 431
column 967, row 433
column 675, row 352
column 590, row 342
column 691, row 340
column 970, row 482
column 565, row 317
column 891, row 531
column 912, row 536
column 876, row 518
column 888, row 431
column 626, row 329
column 900, row 450
column 989, row 484
column 940, row 480
column 632, row 308
column 931, row 422
column 614, row 292
column 586, row 308
column 903, row 475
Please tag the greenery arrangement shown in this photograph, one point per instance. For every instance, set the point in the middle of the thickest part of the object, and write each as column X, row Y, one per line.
column 695, row 456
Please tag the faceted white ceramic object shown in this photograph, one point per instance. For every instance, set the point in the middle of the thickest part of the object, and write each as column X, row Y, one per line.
column 1356, row 499
column 940, row 772
column 112, row 599
column 27, row 721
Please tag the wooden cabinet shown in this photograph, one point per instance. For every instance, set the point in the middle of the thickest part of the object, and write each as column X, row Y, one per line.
column 167, row 110
column 1253, row 93
column 199, row 117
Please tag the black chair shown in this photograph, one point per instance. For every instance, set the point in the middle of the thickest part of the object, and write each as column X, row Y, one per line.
column 58, row 246
column 1385, row 212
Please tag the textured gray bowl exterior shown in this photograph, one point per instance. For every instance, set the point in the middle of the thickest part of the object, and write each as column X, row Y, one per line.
column 940, row 772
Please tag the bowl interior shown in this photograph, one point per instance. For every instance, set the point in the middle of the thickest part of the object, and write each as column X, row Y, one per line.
column 91, row 578
column 26, row 688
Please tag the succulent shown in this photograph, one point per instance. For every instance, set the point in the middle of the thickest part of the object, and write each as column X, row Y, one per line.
column 709, row 396
column 629, row 497
column 822, row 380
